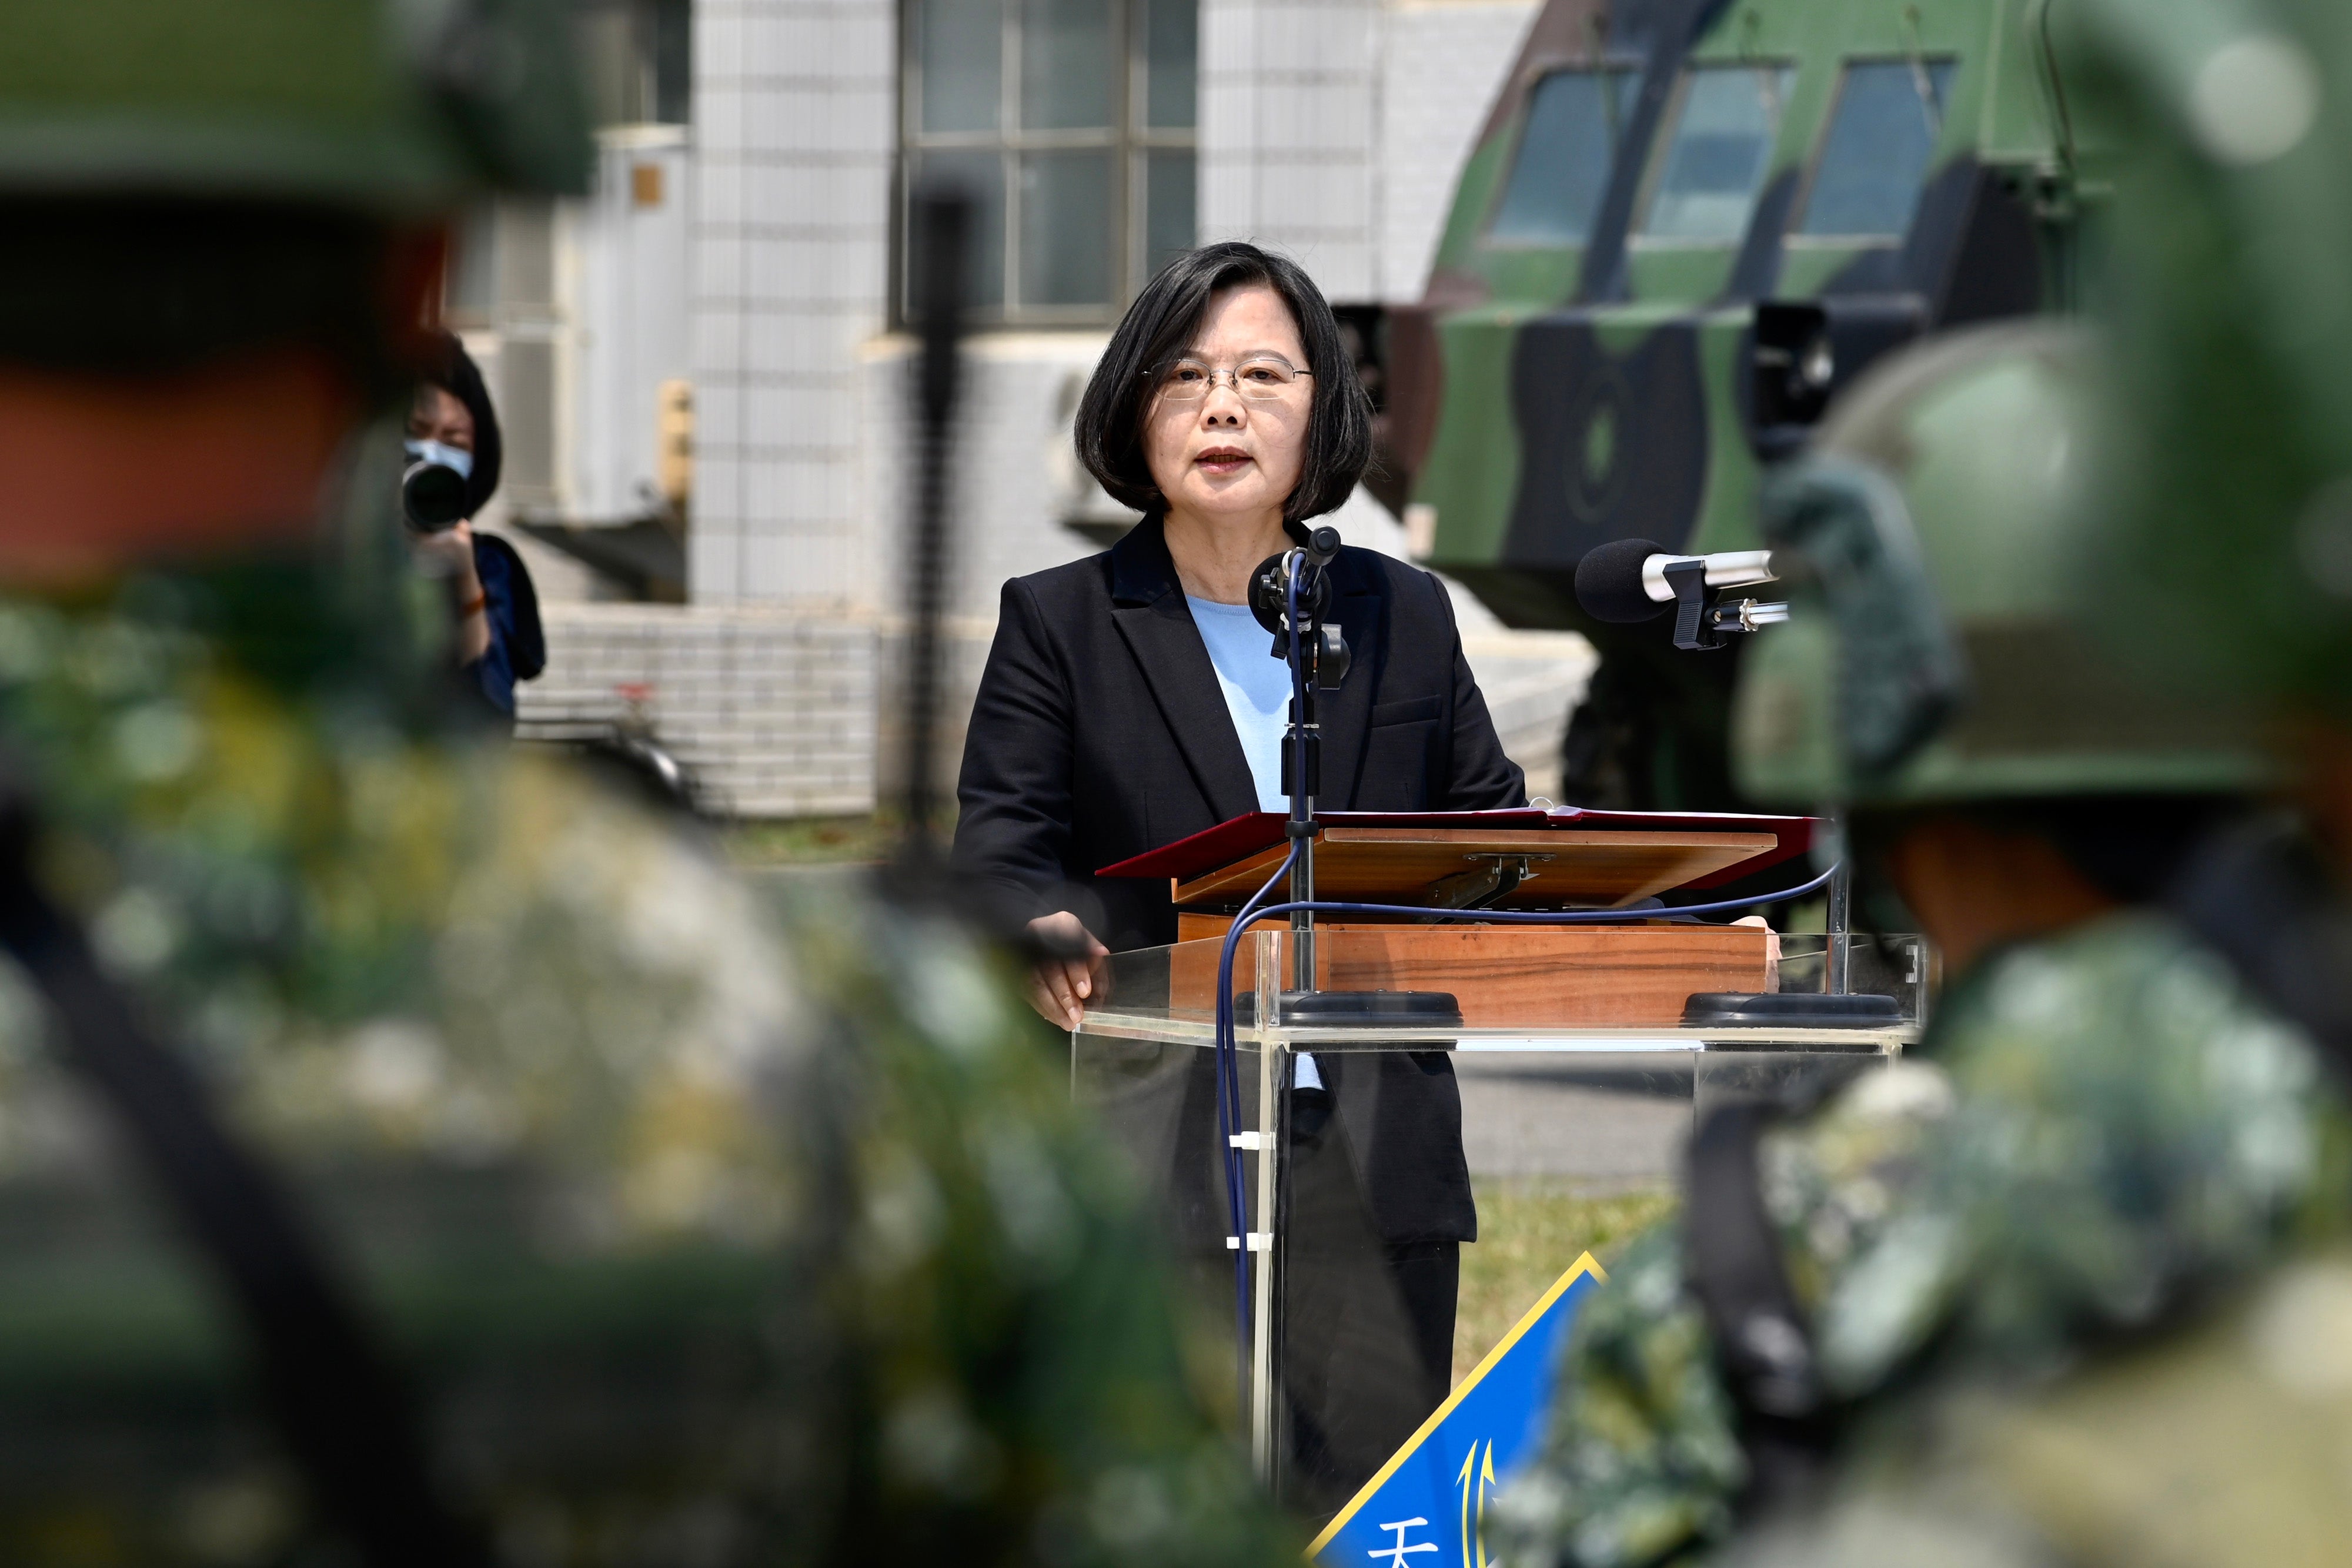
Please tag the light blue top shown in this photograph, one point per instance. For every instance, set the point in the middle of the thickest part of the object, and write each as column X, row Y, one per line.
column 1256, row 687
column 1257, row 694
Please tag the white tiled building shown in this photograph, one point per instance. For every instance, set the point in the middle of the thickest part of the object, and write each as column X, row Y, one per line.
column 1115, row 129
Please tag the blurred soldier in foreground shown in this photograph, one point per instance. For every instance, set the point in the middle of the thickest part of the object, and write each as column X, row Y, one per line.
column 2220, row 557
column 509, row 1186
column 1835, row 1356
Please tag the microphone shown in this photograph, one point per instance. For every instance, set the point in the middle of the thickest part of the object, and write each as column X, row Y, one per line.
column 1624, row 581
column 1270, row 585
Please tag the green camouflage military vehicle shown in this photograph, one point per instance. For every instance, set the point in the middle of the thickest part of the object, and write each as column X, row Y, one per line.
column 1686, row 224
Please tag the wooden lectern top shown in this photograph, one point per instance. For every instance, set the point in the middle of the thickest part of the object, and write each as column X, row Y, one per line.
column 1453, row 867
column 1565, row 857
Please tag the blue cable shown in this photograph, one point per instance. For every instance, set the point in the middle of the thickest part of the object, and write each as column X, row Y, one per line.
column 1555, row 916
column 1229, row 1120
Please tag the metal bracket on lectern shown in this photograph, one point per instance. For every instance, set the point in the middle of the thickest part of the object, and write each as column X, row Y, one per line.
column 1492, row 879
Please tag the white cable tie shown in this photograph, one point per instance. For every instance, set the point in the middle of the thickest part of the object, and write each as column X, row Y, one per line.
column 1250, row 1141
column 1259, row 1241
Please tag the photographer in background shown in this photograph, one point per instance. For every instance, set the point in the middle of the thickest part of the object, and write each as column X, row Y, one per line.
column 453, row 427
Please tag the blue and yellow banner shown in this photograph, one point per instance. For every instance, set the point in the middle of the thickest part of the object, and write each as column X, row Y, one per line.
column 1426, row 1506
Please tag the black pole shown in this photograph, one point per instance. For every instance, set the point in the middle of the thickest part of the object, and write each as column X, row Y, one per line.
column 942, row 228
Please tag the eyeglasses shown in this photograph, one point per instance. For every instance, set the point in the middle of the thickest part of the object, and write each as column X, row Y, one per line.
column 1261, row 377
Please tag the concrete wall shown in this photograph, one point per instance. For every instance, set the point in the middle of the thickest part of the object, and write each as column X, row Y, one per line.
column 1289, row 96
column 1441, row 64
column 1335, row 129
column 1017, row 477
column 795, row 132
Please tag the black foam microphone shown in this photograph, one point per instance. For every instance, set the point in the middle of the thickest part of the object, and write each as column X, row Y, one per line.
column 1609, row 582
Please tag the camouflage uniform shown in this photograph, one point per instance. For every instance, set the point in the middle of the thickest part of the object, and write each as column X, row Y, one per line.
column 707, row 1229
column 2215, row 556
column 2099, row 1126
column 713, row 1235
column 2102, row 1129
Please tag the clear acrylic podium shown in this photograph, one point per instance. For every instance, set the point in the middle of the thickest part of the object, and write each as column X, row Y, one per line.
column 1578, row 1081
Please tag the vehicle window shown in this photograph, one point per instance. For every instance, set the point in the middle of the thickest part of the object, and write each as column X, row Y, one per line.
column 1889, row 115
column 1721, row 146
column 1563, row 165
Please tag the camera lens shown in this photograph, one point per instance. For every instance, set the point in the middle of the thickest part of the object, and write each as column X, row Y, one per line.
column 434, row 497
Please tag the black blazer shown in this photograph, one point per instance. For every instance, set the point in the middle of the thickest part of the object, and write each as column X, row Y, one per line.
column 1100, row 731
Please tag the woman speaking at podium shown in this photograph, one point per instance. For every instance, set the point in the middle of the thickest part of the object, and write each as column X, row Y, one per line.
column 1132, row 699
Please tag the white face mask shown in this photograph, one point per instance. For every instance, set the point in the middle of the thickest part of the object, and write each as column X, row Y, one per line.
column 448, row 456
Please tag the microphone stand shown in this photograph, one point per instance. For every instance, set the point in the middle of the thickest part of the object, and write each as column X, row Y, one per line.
column 1316, row 655
column 1301, row 767
column 1310, row 661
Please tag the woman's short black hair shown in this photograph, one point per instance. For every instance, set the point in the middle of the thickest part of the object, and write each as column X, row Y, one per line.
column 1162, row 325
column 453, row 370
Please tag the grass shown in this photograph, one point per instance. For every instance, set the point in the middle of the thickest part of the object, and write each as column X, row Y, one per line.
column 810, row 840
column 1529, row 1234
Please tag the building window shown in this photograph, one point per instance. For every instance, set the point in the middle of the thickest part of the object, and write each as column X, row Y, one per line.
column 1071, row 123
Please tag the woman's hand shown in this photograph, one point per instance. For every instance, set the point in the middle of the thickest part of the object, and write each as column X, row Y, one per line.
column 1059, row 985
column 446, row 552
column 449, row 553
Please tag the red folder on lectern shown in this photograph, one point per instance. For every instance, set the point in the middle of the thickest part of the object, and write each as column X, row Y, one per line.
column 1635, row 974
column 1244, row 839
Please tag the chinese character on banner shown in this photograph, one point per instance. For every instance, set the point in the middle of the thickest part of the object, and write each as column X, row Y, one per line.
column 1447, row 1470
column 1397, row 1553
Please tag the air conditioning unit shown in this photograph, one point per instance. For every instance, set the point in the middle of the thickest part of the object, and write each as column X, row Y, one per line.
column 624, row 404
column 577, row 311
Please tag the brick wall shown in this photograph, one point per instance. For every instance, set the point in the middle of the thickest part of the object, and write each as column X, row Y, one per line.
column 772, row 712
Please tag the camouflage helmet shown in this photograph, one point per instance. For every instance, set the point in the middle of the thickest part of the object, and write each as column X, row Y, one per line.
column 389, row 107
column 2219, row 550
column 1928, row 656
